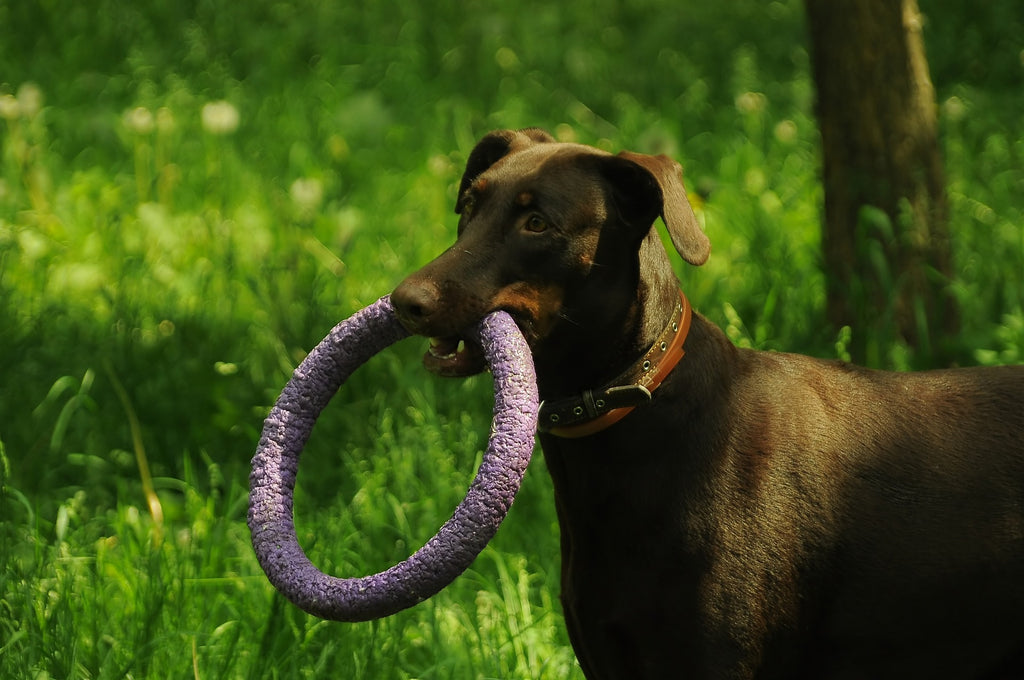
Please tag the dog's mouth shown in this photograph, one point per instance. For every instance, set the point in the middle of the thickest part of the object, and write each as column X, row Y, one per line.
column 454, row 357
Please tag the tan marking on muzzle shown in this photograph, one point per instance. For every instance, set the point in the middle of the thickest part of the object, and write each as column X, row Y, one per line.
column 539, row 304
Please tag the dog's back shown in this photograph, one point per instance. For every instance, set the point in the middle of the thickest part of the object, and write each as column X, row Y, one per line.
column 897, row 502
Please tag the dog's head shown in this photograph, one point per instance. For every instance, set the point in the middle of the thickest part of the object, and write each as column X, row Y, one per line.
column 551, row 233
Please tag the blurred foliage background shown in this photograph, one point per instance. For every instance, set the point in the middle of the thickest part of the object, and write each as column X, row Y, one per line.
column 193, row 192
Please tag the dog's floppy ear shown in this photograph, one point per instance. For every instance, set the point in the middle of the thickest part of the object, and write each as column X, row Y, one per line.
column 492, row 148
column 648, row 186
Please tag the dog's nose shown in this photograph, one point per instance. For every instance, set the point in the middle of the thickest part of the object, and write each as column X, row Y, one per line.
column 416, row 302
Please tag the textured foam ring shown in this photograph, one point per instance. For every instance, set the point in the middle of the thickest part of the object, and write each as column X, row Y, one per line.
column 286, row 430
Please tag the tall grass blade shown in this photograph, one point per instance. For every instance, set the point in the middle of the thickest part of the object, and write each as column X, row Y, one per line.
column 156, row 510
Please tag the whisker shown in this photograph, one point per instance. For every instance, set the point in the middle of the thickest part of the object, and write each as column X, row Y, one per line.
column 566, row 317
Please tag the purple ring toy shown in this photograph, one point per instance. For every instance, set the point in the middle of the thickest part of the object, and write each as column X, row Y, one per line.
column 474, row 522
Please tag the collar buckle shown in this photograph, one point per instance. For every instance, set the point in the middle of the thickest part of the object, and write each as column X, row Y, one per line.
column 590, row 405
column 593, row 410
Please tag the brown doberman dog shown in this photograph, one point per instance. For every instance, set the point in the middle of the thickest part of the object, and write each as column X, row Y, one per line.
column 731, row 513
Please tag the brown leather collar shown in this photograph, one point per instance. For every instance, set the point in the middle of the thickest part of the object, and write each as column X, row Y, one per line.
column 595, row 410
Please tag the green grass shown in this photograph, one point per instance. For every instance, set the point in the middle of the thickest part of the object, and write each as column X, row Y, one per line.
column 194, row 269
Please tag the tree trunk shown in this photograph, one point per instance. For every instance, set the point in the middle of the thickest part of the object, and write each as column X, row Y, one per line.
column 886, row 233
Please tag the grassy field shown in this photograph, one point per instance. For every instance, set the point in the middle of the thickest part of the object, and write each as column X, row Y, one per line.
column 193, row 193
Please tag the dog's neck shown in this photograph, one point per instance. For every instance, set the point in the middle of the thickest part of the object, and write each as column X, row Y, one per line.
column 596, row 409
column 601, row 344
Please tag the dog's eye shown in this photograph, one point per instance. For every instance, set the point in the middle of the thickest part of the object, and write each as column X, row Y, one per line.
column 467, row 205
column 536, row 224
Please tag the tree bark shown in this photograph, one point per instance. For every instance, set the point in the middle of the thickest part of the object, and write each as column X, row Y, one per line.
column 886, row 232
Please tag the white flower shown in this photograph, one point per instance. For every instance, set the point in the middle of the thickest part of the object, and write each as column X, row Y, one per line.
column 220, row 118
column 139, row 120
column 30, row 99
column 307, row 193
column 751, row 102
column 9, row 107
column 786, row 131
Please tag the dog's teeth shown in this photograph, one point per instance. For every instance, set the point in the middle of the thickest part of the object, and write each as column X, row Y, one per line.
column 440, row 348
column 435, row 348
